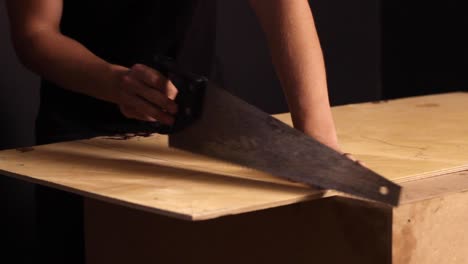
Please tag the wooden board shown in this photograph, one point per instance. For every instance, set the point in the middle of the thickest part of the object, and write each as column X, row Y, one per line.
column 331, row 230
column 159, row 181
column 429, row 229
column 408, row 139
column 403, row 140
column 432, row 231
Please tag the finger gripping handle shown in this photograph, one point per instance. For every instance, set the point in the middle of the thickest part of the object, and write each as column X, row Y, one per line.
column 191, row 90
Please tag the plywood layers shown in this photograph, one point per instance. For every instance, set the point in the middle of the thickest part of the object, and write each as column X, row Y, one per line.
column 402, row 139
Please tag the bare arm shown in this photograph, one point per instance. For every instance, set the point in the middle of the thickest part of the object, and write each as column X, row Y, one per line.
column 297, row 56
column 35, row 28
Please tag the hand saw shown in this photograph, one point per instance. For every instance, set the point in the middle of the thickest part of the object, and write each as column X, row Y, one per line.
column 213, row 122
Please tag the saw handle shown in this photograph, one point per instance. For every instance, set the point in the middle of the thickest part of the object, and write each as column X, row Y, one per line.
column 191, row 91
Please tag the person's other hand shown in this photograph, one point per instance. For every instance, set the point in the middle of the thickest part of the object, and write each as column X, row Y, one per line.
column 145, row 94
column 351, row 157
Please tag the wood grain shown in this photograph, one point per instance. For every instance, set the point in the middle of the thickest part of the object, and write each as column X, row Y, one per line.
column 197, row 190
column 409, row 138
column 232, row 130
column 288, row 234
column 432, row 231
column 404, row 140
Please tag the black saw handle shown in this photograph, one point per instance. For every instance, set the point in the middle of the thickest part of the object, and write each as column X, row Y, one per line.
column 191, row 91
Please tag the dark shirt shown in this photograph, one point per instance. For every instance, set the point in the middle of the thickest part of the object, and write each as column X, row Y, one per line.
column 121, row 32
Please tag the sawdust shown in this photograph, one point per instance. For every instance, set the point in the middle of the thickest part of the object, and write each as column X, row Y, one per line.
column 26, row 149
column 128, row 136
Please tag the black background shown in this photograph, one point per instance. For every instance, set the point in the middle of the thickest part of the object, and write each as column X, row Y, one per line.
column 373, row 50
column 425, row 48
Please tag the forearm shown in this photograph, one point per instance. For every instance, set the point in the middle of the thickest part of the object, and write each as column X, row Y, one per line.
column 68, row 63
column 298, row 60
column 140, row 92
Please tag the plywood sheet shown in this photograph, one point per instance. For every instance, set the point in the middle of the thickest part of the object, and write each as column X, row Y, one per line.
column 142, row 173
column 403, row 139
column 409, row 138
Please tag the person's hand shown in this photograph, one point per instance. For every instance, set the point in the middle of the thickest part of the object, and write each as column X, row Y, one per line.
column 351, row 157
column 145, row 94
column 332, row 142
column 330, row 139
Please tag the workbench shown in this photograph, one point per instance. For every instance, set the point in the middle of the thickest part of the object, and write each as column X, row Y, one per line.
column 148, row 203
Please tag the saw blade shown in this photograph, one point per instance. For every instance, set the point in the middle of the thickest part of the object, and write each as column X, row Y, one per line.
column 230, row 129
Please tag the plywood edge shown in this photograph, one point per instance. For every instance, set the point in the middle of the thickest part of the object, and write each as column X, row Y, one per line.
column 221, row 213
column 433, row 187
column 426, row 187
column 422, row 176
column 432, row 231
column 96, row 196
column 188, row 217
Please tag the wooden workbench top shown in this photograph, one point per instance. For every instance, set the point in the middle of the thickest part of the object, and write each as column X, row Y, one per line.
column 405, row 140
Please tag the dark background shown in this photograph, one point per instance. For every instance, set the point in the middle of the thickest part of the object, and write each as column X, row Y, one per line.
column 425, row 47
column 373, row 50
